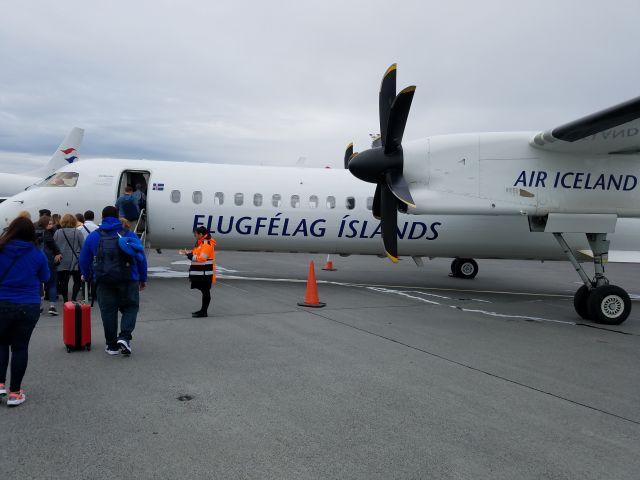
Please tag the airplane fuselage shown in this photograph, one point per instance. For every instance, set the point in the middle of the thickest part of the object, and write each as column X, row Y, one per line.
column 284, row 209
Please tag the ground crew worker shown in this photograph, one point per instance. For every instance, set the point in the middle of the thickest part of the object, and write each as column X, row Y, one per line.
column 202, row 271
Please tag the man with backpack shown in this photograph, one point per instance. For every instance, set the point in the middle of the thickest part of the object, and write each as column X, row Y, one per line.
column 127, row 205
column 119, row 277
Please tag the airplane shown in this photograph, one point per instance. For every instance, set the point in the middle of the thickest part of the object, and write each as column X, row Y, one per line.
column 476, row 196
column 578, row 178
column 66, row 153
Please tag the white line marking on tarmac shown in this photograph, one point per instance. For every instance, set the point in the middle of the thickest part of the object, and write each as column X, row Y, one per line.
column 471, row 310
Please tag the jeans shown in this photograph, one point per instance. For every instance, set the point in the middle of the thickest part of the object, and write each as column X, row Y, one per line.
column 17, row 322
column 123, row 297
column 51, row 286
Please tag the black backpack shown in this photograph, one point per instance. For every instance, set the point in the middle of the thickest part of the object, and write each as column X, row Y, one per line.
column 111, row 265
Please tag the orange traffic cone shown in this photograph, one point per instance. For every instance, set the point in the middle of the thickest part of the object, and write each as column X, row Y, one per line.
column 311, row 297
column 329, row 265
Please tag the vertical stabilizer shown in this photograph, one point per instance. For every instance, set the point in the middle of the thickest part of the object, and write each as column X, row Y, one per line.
column 66, row 153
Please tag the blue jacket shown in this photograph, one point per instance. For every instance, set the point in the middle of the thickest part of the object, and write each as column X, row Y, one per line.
column 22, row 283
column 90, row 250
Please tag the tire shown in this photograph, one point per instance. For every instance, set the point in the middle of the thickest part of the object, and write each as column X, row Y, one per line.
column 466, row 268
column 609, row 305
column 580, row 300
column 454, row 267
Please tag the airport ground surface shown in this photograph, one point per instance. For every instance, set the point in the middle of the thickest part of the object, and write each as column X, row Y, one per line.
column 406, row 373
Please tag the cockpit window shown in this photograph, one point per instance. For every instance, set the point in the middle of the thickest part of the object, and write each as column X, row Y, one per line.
column 62, row 179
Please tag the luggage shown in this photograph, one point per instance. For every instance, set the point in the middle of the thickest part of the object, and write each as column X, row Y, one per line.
column 76, row 325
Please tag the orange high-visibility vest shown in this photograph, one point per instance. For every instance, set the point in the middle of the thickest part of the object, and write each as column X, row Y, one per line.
column 203, row 261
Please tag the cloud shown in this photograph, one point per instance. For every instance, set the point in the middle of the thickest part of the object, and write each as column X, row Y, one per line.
column 269, row 82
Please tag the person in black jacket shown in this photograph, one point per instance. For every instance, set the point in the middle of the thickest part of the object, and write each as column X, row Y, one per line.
column 44, row 237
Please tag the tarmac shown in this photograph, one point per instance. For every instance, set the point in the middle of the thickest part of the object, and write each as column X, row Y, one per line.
column 406, row 373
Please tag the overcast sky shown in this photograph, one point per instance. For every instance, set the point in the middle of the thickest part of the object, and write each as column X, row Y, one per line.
column 270, row 82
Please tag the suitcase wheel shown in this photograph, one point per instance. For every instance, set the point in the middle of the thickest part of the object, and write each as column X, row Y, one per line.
column 68, row 349
column 89, row 347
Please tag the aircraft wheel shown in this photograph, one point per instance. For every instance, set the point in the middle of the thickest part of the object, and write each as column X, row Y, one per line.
column 466, row 268
column 580, row 300
column 454, row 266
column 609, row 305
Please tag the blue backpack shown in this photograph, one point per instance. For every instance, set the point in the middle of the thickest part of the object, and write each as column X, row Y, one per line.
column 111, row 265
column 129, row 207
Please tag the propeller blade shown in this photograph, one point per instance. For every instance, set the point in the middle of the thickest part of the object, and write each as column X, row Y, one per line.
column 398, row 186
column 389, row 222
column 375, row 208
column 398, row 120
column 348, row 153
column 386, row 98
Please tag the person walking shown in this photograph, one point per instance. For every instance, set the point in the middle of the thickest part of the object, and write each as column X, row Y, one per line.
column 69, row 240
column 119, row 278
column 89, row 216
column 44, row 237
column 202, row 271
column 140, row 197
column 23, row 268
column 128, row 206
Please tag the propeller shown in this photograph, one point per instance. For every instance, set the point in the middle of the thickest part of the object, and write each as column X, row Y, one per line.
column 348, row 154
column 383, row 165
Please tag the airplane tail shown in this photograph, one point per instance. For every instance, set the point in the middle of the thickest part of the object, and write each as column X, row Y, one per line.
column 65, row 154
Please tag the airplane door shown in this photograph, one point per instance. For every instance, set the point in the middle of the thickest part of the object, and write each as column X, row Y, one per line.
column 139, row 181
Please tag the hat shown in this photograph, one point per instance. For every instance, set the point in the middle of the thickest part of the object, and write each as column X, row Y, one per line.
column 44, row 211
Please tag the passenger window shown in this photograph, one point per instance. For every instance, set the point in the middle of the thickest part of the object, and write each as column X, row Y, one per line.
column 313, row 201
column 175, row 196
column 218, row 198
column 369, row 203
column 197, row 197
column 276, row 200
column 295, row 201
column 350, row 203
column 257, row 199
column 331, row 202
column 239, row 199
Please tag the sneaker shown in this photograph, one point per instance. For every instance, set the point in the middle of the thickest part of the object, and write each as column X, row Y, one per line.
column 112, row 350
column 53, row 311
column 125, row 346
column 3, row 389
column 16, row 398
column 199, row 314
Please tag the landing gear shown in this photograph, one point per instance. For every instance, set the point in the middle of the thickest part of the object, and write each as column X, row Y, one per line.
column 609, row 305
column 597, row 300
column 466, row 268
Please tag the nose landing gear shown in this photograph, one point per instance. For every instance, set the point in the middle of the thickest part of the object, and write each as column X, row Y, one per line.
column 597, row 300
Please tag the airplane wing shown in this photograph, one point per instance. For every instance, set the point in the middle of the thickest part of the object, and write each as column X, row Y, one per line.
column 615, row 130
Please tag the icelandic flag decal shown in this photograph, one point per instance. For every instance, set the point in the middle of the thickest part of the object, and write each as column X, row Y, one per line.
column 158, row 186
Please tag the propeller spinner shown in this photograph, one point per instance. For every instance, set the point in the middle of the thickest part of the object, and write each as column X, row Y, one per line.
column 384, row 165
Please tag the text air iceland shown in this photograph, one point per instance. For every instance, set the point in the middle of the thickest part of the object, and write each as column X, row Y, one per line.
column 281, row 226
column 577, row 180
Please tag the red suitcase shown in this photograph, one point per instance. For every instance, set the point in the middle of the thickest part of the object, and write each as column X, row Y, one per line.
column 76, row 326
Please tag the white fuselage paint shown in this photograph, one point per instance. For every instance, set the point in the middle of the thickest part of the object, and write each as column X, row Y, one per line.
column 285, row 228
